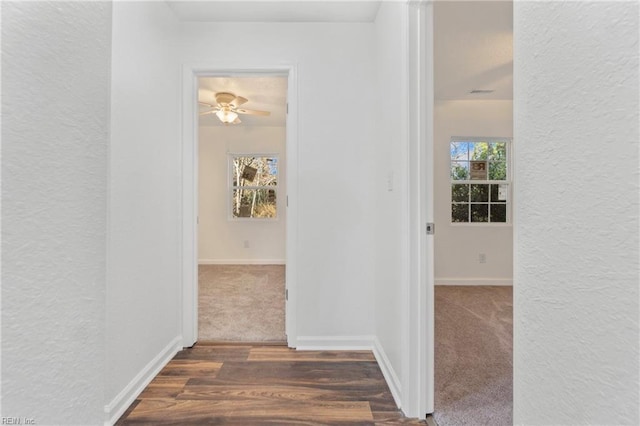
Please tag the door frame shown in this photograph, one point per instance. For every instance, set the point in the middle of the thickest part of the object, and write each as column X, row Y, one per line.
column 419, row 321
column 189, row 189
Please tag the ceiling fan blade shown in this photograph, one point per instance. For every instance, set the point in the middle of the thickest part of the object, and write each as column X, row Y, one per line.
column 207, row 104
column 239, row 100
column 237, row 121
column 252, row 112
column 208, row 112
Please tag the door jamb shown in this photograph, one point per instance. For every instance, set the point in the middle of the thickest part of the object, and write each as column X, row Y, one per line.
column 189, row 190
column 418, row 400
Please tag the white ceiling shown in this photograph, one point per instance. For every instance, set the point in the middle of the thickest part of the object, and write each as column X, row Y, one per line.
column 276, row 11
column 263, row 93
column 473, row 49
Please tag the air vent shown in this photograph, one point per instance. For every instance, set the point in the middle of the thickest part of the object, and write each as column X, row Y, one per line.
column 481, row 91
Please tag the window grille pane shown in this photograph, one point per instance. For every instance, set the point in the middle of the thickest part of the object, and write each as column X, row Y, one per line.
column 254, row 203
column 479, row 212
column 460, row 170
column 498, row 151
column 495, row 198
column 479, row 193
column 460, row 212
column 498, row 213
column 498, row 170
column 255, row 171
column 460, row 193
column 459, row 151
column 479, row 150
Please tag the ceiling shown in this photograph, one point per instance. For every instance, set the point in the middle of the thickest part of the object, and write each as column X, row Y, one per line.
column 473, row 49
column 276, row 11
column 263, row 93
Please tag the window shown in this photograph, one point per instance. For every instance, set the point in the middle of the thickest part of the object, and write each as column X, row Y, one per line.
column 480, row 180
column 254, row 186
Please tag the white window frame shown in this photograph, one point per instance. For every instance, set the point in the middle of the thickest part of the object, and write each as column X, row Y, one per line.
column 508, row 181
column 231, row 187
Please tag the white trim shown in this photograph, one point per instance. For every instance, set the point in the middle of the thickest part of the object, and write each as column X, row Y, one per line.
column 291, row 204
column 189, row 207
column 474, row 281
column 242, row 262
column 427, row 93
column 335, row 343
column 125, row 398
column 418, row 338
column 388, row 372
column 189, row 198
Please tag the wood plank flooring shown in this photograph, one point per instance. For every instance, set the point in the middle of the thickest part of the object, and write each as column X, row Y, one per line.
column 266, row 385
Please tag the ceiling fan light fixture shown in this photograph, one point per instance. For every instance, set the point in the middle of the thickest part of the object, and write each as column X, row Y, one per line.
column 226, row 116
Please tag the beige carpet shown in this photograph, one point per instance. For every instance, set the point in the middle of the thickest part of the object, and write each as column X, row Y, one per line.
column 473, row 355
column 241, row 303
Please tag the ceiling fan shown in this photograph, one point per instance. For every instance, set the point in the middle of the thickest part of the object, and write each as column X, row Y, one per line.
column 226, row 108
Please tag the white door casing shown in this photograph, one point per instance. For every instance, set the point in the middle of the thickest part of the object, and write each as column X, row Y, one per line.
column 418, row 380
column 189, row 196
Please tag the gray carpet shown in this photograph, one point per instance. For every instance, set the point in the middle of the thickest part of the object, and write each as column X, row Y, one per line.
column 473, row 355
column 241, row 303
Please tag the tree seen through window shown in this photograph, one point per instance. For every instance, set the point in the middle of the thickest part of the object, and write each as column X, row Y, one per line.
column 479, row 181
column 254, row 181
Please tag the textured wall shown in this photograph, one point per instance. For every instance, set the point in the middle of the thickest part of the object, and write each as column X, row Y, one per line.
column 55, row 115
column 576, row 232
column 222, row 240
column 457, row 247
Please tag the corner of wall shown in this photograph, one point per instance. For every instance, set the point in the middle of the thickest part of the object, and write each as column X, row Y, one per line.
column 119, row 404
column 388, row 372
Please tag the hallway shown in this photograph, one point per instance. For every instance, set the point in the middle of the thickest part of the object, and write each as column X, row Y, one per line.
column 249, row 385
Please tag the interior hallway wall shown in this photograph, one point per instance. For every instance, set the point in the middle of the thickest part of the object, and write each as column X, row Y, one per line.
column 144, row 284
column 336, row 149
column 391, row 185
column 221, row 239
column 458, row 247
column 55, row 137
column 576, row 289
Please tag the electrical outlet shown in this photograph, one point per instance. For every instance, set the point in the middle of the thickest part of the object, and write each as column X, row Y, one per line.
column 246, row 243
column 482, row 258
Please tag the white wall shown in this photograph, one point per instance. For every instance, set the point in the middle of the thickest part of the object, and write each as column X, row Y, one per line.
column 576, row 225
column 336, row 146
column 391, row 255
column 221, row 240
column 55, row 124
column 457, row 247
column 143, row 293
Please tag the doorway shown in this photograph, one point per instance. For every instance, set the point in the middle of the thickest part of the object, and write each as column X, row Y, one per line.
column 241, row 210
column 473, row 130
column 239, row 186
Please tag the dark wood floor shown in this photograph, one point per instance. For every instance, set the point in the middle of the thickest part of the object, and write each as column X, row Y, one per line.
column 259, row 385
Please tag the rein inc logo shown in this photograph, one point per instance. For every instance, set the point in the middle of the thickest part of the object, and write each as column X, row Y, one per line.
column 17, row 421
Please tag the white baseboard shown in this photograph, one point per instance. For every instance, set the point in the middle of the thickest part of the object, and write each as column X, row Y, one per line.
column 242, row 262
column 125, row 398
column 334, row 343
column 474, row 281
column 388, row 372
